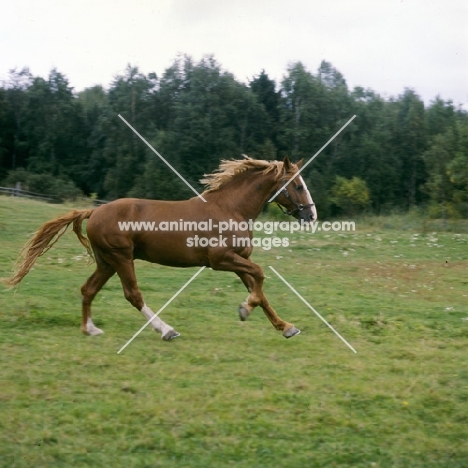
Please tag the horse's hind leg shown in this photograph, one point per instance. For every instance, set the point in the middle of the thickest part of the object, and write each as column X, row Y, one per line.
column 126, row 271
column 246, row 308
column 89, row 290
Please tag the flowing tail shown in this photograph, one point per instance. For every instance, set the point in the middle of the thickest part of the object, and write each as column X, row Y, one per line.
column 47, row 235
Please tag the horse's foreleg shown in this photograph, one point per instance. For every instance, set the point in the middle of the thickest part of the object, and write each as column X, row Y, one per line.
column 88, row 292
column 256, row 298
column 252, row 276
column 287, row 328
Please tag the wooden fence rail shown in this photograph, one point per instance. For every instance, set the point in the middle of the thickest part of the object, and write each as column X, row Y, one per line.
column 17, row 192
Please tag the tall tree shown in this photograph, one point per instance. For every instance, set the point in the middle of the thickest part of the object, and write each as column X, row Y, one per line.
column 300, row 112
column 212, row 117
column 447, row 166
column 411, row 144
column 16, row 99
column 94, row 103
column 55, row 129
column 369, row 153
column 439, row 117
column 266, row 129
column 124, row 152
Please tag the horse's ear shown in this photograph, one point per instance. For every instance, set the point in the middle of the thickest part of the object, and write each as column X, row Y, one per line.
column 299, row 163
column 287, row 164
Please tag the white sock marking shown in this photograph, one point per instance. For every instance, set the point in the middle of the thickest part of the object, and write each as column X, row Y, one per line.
column 156, row 323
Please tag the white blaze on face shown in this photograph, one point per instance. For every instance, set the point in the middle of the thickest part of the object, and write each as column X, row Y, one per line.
column 309, row 198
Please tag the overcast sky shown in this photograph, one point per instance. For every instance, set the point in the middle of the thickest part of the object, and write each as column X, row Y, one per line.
column 385, row 45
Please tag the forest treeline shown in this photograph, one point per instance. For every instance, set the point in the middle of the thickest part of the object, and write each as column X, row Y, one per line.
column 396, row 154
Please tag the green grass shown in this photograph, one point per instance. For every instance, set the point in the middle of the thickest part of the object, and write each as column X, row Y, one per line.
column 237, row 394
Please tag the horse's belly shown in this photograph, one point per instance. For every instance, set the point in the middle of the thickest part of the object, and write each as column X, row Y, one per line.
column 171, row 249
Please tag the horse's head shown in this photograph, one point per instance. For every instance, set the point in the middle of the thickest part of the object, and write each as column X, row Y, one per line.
column 295, row 197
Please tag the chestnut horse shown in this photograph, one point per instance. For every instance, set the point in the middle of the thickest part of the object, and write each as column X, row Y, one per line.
column 235, row 193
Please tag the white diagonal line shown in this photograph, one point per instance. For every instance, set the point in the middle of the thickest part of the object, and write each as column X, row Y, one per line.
column 161, row 309
column 313, row 310
column 162, row 159
column 312, row 158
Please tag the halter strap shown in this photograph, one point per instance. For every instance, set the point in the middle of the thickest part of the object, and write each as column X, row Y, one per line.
column 299, row 206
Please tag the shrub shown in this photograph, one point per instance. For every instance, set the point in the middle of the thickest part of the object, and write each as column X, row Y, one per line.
column 60, row 187
column 350, row 196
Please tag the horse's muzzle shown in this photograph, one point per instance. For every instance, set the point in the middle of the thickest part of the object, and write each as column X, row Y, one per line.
column 309, row 214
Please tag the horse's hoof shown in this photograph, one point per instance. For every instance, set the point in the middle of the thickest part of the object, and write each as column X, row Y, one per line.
column 170, row 335
column 93, row 331
column 290, row 332
column 243, row 312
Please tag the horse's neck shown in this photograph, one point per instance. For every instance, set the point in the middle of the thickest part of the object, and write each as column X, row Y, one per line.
column 246, row 196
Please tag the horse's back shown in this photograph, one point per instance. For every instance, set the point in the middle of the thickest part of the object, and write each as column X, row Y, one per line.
column 137, row 225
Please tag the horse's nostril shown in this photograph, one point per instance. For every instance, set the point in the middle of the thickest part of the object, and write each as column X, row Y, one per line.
column 311, row 217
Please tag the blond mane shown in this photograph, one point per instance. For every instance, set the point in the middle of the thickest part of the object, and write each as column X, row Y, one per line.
column 227, row 170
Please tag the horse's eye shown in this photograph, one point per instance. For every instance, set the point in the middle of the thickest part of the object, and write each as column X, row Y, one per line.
column 300, row 187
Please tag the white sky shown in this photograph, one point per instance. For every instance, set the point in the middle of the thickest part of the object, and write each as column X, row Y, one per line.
column 385, row 45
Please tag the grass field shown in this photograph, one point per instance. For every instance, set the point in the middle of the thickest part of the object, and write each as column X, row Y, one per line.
column 237, row 394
